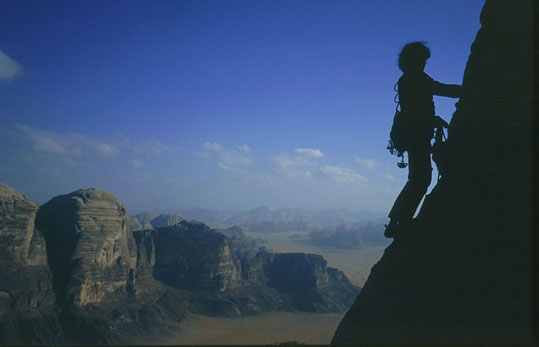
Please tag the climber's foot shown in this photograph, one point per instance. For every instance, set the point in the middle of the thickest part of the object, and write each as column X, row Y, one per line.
column 391, row 229
column 394, row 229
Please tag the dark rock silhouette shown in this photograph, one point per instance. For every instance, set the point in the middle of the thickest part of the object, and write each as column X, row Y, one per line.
column 463, row 272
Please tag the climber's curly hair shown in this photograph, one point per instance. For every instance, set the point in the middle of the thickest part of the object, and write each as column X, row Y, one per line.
column 412, row 55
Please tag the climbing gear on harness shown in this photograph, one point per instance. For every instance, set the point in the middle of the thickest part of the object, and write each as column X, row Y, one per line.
column 399, row 131
column 401, row 164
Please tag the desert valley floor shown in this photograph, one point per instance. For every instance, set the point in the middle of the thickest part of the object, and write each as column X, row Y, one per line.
column 310, row 328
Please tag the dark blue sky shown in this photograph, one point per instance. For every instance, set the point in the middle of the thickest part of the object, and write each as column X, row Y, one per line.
column 227, row 104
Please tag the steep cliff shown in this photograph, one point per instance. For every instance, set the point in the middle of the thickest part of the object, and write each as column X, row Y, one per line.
column 463, row 271
column 308, row 283
column 90, row 249
column 245, row 278
column 188, row 255
column 21, row 242
column 26, row 293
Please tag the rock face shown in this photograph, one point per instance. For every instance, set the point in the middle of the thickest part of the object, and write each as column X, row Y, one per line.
column 25, row 279
column 192, row 256
column 188, row 255
column 21, row 242
column 309, row 284
column 463, row 272
column 91, row 251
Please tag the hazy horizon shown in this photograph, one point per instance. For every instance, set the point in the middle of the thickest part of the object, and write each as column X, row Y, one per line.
column 180, row 209
column 223, row 105
column 232, row 211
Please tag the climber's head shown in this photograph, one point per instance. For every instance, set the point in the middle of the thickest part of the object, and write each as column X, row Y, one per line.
column 413, row 57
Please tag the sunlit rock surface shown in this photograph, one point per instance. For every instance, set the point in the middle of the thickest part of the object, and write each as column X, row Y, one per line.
column 25, row 277
column 20, row 241
column 463, row 273
column 91, row 250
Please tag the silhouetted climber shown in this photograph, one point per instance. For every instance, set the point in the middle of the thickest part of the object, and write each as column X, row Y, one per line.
column 415, row 89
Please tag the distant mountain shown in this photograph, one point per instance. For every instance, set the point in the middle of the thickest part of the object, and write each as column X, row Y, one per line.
column 334, row 217
column 145, row 221
column 352, row 236
column 141, row 221
column 213, row 218
column 372, row 231
column 264, row 220
column 338, row 228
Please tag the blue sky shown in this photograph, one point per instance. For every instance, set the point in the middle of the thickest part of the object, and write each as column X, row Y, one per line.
column 217, row 104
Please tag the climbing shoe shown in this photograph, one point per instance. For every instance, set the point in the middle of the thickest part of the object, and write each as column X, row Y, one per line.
column 395, row 228
column 391, row 230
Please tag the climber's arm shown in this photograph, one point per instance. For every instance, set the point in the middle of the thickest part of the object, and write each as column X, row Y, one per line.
column 449, row 90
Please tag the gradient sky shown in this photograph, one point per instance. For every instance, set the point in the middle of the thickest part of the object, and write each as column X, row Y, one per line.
column 218, row 104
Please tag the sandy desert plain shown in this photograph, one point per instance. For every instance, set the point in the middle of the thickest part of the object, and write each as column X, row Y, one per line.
column 269, row 328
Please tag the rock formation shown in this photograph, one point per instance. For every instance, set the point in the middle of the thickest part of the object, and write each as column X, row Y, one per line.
column 165, row 220
column 462, row 274
column 264, row 220
column 145, row 221
column 141, row 221
column 309, row 284
column 91, row 251
column 73, row 272
column 188, row 255
column 25, row 280
column 21, row 242
column 192, row 256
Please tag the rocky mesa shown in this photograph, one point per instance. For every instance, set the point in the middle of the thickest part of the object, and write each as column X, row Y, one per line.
column 90, row 248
